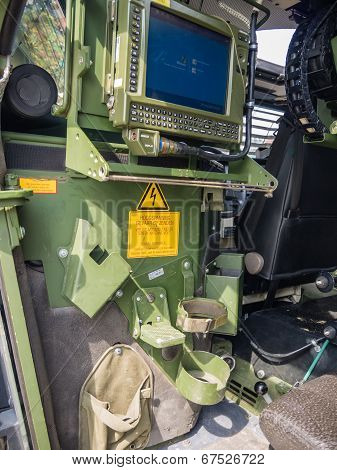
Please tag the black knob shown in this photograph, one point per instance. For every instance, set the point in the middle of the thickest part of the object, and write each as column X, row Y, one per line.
column 330, row 332
column 261, row 388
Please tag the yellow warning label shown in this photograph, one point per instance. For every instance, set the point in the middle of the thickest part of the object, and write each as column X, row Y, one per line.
column 166, row 3
column 153, row 234
column 39, row 186
column 153, row 199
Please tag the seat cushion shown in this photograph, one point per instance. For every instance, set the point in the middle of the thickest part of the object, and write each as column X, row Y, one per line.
column 305, row 418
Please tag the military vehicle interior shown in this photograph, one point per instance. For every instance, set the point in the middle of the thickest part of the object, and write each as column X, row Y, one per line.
column 170, row 223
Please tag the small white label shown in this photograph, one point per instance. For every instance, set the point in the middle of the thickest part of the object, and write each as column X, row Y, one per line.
column 155, row 274
column 118, row 48
column 118, row 83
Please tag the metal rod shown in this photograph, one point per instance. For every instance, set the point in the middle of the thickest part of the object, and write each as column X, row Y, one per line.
column 190, row 183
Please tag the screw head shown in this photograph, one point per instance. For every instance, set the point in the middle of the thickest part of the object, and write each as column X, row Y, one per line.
column 63, row 253
column 138, row 299
column 118, row 351
column 187, row 265
column 119, row 294
column 260, row 374
column 162, row 296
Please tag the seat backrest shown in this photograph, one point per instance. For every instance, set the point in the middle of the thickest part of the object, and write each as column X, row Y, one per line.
column 296, row 231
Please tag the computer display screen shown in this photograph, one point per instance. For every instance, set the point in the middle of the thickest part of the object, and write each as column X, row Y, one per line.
column 187, row 64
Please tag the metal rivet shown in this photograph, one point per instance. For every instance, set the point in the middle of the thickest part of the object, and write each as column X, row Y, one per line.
column 138, row 299
column 118, row 351
column 119, row 294
column 63, row 253
column 187, row 265
column 260, row 374
column 158, row 318
column 162, row 296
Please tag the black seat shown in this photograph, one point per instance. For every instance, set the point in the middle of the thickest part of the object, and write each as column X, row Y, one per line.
column 295, row 232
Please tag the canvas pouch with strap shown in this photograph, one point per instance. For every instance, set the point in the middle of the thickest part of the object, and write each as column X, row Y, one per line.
column 115, row 402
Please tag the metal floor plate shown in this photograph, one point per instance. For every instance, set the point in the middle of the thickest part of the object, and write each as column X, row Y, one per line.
column 225, row 426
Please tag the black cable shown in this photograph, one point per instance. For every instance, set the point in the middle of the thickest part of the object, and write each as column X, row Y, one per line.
column 271, row 357
column 250, row 102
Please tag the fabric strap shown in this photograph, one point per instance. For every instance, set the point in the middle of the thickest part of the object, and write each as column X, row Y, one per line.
column 118, row 422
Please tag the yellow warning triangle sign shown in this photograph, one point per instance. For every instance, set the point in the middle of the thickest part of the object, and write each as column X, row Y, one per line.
column 153, row 199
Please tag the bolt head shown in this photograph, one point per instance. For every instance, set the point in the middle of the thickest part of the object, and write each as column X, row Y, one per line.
column 119, row 294
column 138, row 299
column 187, row 265
column 162, row 296
column 260, row 374
column 118, row 351
column 63, row 253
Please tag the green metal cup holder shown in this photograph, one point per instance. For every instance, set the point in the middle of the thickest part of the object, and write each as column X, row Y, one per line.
column 200, row 315
column 202, row 377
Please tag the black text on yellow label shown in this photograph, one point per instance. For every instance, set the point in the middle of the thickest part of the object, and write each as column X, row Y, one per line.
column 153, row 234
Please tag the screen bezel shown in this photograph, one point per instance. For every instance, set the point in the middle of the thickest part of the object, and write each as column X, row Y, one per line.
column 229, row 41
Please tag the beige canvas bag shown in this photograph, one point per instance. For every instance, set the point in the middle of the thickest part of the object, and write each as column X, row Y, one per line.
column 115, row 402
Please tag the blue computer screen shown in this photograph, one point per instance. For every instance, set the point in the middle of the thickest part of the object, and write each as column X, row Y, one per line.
column 187, row 64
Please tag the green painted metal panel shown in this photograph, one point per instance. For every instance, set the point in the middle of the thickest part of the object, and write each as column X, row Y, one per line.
column 227, row 288
column 19, row 335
